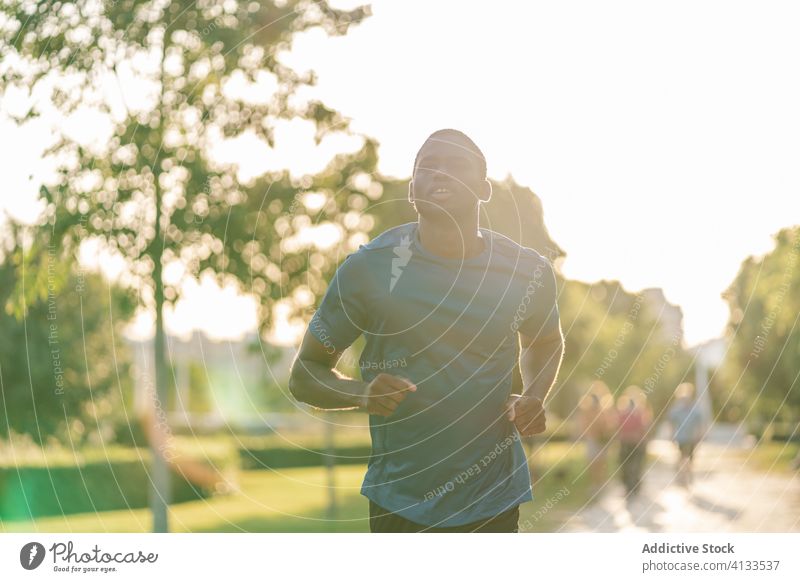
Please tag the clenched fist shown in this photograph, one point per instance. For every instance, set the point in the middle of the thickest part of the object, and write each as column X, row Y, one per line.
column 527, row 414
column 385, row 393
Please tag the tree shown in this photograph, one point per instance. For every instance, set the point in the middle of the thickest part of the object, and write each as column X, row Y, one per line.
column 153, row 193
column 761, row 369
column 621, row 338
column 48, row 388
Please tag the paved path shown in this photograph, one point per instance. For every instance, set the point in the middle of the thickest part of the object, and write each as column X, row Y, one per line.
column 724, row 496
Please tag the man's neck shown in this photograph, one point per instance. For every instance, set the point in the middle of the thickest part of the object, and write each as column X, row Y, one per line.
column 450, row 240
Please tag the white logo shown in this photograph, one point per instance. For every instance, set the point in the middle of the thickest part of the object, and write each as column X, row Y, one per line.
column 402, row 253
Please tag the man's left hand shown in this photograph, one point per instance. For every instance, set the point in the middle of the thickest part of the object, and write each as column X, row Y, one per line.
column 527, row 414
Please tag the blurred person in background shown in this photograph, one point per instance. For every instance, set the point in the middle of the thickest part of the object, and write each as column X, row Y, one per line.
column 635, row 418
column 688, row 425
column 596, row 423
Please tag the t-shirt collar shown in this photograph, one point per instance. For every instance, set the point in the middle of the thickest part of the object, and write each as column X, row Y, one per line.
column 487, row 248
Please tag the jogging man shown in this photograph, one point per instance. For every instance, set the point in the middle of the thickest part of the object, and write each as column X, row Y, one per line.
column 447, row 310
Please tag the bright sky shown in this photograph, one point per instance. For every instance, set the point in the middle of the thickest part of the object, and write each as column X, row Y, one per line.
column 662, row 137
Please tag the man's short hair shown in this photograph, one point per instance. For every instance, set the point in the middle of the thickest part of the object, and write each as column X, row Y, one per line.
column 470, row 145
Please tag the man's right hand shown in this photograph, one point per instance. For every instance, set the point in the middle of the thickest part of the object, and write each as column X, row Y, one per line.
column 385, row 393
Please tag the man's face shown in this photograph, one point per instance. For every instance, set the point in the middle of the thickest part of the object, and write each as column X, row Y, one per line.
column 448, row 179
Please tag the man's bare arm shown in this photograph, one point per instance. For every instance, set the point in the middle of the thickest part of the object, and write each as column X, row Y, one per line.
column 315, row 381
column 540, row 360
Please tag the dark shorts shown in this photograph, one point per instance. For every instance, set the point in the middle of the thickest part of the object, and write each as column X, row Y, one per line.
column 383, row 521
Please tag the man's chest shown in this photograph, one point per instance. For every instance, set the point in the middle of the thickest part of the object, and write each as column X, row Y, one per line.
column 462, row 307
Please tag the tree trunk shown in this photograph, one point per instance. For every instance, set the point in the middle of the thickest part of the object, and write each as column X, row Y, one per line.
column 160, row 483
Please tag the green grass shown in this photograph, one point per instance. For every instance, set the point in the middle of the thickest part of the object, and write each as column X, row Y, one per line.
column 560, row 485
column 772, row 456
column 296, row 500
column 293, row 500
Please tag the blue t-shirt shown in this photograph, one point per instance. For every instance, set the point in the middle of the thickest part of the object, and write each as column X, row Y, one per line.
column 448, row 455
column 687, row 420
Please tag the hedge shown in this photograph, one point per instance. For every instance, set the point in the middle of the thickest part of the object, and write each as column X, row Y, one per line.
column 271, row 457
column 121, row 481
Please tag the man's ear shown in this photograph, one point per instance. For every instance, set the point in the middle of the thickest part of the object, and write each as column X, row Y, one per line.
column 411, row 191
column 486, row 191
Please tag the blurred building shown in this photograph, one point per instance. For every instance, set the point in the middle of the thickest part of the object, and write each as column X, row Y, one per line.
column 708, row 356
column 670, row 316
column 217, row 383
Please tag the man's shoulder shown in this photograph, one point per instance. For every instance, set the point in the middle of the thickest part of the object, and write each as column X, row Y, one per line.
column 389, row 242
column 507, row 248
column 397, row 236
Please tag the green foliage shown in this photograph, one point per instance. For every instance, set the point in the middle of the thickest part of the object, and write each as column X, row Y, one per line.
column 620, row 338
column 153, row 193
column 761, row 368
column 271, row 457
column 199, row 389
column 63, row 366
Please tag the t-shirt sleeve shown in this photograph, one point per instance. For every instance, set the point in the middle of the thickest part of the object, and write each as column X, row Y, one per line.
column 540, row 317
column 341, row 316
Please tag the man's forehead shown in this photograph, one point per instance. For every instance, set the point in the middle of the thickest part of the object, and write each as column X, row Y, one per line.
column 449, row 146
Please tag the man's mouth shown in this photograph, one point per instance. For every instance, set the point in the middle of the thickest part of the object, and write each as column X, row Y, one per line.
column 441, row 192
